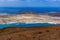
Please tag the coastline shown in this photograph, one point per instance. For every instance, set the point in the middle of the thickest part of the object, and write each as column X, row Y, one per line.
column 29, row 19
column 23, row 25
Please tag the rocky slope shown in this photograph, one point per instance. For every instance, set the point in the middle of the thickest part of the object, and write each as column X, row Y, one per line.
column 36, row 33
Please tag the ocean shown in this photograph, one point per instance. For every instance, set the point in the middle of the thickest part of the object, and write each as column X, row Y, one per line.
column 19, row 10
column 16, row 10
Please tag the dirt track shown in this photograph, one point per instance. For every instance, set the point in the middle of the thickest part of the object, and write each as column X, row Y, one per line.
column 37, row 33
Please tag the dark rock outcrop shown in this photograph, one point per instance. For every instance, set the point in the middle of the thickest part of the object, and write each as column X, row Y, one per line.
column 57, row 14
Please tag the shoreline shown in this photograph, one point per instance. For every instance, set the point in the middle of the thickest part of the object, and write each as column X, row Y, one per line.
column 23, row 25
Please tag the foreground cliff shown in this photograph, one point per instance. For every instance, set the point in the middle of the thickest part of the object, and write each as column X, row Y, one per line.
column 36, row 33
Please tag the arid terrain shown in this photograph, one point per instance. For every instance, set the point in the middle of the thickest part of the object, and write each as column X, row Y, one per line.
column 36, row 33
column 29, row 18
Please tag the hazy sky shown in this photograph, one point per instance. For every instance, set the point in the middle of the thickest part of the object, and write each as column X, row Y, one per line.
column 29, row 3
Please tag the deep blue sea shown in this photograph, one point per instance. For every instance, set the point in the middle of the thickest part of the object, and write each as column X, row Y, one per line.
column 18, row 10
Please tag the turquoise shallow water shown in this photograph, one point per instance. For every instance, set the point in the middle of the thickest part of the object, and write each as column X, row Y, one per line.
column 23, row 25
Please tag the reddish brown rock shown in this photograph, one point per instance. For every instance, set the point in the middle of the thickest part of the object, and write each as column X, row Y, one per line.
column 36, row 33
